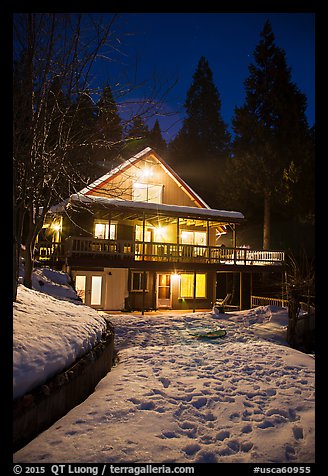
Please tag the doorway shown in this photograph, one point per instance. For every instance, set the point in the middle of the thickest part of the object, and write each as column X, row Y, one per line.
column 164, row 295
column 90, row 289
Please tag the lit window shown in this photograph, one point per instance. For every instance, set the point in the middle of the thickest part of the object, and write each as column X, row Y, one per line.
column 102, row 229
column 187, row 285
column 96, row 283
column 144, row 192
column 137, row 281
column 80, row 282
column 193, row 237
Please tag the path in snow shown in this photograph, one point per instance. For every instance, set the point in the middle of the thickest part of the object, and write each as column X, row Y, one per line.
column 176, row 399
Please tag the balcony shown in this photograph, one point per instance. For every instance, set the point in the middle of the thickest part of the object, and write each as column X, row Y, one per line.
column 136, row 251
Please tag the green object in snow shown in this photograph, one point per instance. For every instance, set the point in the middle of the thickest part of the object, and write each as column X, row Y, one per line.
column 211, row 334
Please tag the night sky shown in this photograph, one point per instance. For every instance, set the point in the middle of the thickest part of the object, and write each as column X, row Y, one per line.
column 168, row 46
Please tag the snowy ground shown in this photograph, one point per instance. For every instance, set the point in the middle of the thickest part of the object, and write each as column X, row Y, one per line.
column 247, row 397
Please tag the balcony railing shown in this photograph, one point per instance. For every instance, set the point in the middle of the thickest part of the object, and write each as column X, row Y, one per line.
column 169, row 252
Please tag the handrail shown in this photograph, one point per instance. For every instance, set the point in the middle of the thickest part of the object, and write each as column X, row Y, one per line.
column 158, row 251
column 268, row 301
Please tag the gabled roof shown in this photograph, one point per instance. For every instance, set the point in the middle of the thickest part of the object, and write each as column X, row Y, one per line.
column 89, row 189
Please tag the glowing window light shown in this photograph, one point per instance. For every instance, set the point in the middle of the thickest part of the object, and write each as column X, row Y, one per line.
column 160, row 233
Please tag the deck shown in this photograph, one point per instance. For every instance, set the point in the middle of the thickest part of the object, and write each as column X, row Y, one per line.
column 137, row 251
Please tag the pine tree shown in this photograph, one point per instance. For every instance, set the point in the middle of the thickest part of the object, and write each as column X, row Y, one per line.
column 203, row 142
column 156, row 140
column 108, row 127
column 83, row 135
column 137, row 137
column 271, row 130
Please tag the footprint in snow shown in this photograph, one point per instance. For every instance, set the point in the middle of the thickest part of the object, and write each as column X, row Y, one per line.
column 234, row 416
column 146, row 406
column 169, row 434
column 290, row 453
column 298, row 432
column 165, row 382
column 222, row 435
column 190, row 450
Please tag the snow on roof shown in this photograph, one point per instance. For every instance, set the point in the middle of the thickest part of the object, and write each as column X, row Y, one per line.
column 158, row 207
column 114, row 171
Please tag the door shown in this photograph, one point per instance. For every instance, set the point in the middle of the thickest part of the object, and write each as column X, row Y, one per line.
column 164, row 290
column 116, row 288
column 89, row 288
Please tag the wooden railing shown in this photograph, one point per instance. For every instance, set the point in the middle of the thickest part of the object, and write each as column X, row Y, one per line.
column 268, row 301
column 45, row 251
column 170, row 252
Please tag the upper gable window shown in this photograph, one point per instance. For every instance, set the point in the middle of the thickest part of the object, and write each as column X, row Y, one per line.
column 146, row 192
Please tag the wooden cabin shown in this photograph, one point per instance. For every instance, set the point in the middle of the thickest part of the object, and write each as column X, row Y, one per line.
column 140, row 238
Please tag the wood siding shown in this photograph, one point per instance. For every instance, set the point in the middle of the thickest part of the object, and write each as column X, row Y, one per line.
column 121, row 184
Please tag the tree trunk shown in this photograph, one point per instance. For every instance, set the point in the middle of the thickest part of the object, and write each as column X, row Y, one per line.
column 266, row 221
column 28, row 264
column 293, row 313
column 18, row 219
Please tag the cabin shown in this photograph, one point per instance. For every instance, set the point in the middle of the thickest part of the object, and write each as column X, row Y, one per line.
column 140, row 238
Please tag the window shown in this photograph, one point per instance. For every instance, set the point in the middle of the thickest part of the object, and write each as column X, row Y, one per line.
column 145, row 192
column 193, row 237
column 102, row 229
column 96, row 283
column 187, row 285
column 80, row 282
column 137, row 281
column 139, row 233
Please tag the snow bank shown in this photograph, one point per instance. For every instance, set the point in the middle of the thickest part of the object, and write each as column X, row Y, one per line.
column 51, row 282
column 49, row 333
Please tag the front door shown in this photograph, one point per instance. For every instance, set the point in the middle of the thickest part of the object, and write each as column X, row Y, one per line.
column 164, row 290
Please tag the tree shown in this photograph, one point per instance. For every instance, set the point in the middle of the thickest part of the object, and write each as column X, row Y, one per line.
column 108, row 127
column 83, row 133
column 54, row 116
column 156, row 140
column 137, row 137
column 52, row 61
column 203, row 142
column 271, row 131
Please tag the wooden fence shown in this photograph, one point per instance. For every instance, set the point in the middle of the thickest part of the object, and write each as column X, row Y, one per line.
column 268, row 301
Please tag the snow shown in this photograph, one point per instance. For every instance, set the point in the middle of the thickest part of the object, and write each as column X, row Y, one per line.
column 181, row 209
column 246, row 397
column 49, row 333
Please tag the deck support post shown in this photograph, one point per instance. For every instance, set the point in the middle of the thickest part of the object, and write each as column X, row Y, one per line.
column 194, row 293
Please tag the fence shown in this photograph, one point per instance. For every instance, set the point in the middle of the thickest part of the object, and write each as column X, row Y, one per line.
column 266, row 301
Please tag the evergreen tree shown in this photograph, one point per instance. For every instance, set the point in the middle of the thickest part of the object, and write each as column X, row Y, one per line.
column 137, row 137
column 156, row 140
column 83, row 136
column 203, row 142
column 108, row 127
column 271, row 132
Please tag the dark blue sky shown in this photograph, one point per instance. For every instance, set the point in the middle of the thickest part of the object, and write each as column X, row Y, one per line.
column 159, row 48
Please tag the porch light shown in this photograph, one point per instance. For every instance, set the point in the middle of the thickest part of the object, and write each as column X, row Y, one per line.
column 175, row 277
column 146, row 172
column 160, row 233
column 56, row 226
